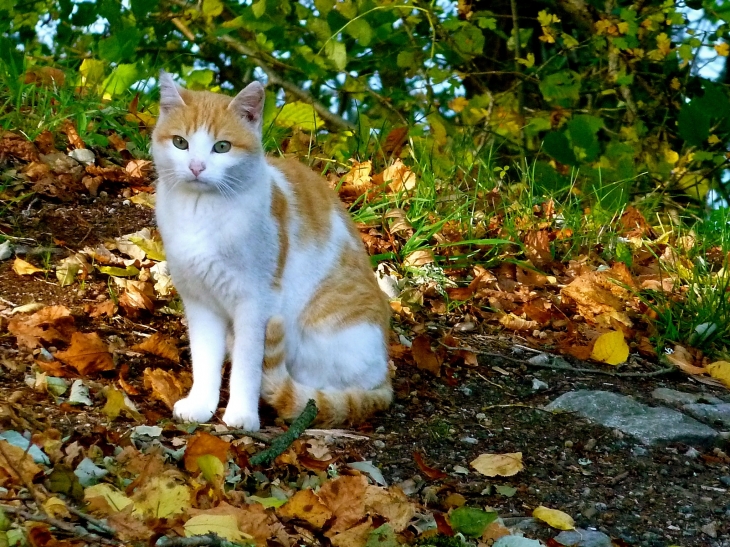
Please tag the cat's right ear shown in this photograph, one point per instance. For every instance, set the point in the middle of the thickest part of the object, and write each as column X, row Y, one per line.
column 169, row 94
column 249, row 104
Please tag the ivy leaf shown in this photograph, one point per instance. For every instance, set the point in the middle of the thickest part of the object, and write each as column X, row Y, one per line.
column 471, row 521
column 557, row 146
column 560, row 87
column 582, row 130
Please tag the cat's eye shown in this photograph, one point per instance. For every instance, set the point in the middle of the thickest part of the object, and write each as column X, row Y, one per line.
column 179, row 142
column 221, row 147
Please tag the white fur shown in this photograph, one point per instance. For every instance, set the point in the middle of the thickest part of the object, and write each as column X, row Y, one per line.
column 222, row 247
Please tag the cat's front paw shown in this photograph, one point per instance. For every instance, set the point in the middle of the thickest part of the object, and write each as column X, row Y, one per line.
column 242, row 419
column 194, row 409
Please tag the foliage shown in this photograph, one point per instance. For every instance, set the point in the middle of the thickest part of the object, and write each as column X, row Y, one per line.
column 604, row 99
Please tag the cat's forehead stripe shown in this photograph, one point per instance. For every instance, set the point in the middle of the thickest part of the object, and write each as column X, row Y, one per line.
column 209, row 111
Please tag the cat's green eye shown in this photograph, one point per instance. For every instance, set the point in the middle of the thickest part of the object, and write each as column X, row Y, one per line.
column 221, row 147
column 179, row 142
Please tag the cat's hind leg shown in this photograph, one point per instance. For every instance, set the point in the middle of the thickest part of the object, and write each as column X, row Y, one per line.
column 208, row 347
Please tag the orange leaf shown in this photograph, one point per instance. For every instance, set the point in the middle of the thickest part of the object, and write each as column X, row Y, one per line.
column 424, row 356
column 160, row 345
column 88, row 354
column 305, row 505
column 165, row 386
column 344, row 496
column 21, row 267
column 204, row 443
column 431, row 472
column 683, row 359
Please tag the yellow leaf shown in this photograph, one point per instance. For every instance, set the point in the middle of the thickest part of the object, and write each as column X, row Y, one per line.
column 161, row 497
column 113, row 497
column 152, row 248
column 399, row 177
column 359, row 175
column 568, row 41
column 675, row 84
column 546, row 19
column 664, row 43
column 553, row 517
column 55, row 507
column 502, row 465
column 21, row 267
column 307, row 506
column 713, row 139
column 611, row 348
column 722, row 49
column 547, row 35
column 92, row 72
column 299, row 114
column 623, row 27
column 720, row 370
column 670, row 156
column 223, row 525
column 529, row 62
column 212, row 8
column 458, row 103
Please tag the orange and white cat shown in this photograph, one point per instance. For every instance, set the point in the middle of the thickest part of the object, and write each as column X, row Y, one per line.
column 261, row 249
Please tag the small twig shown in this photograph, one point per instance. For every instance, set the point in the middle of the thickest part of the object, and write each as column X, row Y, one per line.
column 196, row 541
column 495, row 384
column 242, row 432
column 519, row 405
column 568, row 368
column 282, row 442
column 96, row 523
column 76, row 531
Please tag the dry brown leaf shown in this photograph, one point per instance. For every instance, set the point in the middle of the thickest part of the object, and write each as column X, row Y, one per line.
column 537, row 247
column 45, row 76
column 204, row 443
column 418, row 259
column 160, row 345
column 88, row 354
column 164, row 386
column 252, row 519
column 344, row 496
column 391, row 504
column 498, row 465
column 633, row 224
column 18, row 146
column 16, row 465
column 21, row 267
column 512, row 322
column 598, row 299
column 395, row 140
column 138, row 295
column 399, row 177
column 139, row 169
column 50, row 324
column 128, row 527
column 683, row 359
column 424, row 356
column 359, row 174
column 357, row 536
column 305, row 505
column 107, row 307
column 74, row 140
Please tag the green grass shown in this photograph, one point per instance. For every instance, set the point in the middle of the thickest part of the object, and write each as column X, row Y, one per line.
column 469, row 206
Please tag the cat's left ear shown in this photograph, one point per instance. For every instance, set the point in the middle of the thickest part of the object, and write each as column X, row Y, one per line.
column 249, row 104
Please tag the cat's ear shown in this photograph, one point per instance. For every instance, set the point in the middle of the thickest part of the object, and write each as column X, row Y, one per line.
column 249, row 104
column 169, row 94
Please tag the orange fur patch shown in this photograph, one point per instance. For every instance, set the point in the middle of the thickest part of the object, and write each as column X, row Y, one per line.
column 349, row 295
column 206, row 110
column 285, row 400
column 279, row 212
column 314, row 199
column 325, row 414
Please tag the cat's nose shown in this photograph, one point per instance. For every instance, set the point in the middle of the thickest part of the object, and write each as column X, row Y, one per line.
column 197, row 167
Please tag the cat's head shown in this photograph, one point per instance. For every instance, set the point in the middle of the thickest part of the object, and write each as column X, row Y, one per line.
column 207, row 141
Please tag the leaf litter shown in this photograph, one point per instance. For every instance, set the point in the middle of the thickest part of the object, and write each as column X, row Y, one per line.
column 574, row 308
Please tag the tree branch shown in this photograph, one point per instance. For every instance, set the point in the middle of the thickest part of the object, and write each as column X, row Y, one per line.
column 281, row 443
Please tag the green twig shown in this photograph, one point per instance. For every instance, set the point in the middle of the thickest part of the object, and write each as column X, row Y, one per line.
column 282, row 442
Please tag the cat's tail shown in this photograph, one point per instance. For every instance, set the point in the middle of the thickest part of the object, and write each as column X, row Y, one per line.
column 289, row 397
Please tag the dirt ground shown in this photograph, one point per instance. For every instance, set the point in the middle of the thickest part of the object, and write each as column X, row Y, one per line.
column 637, row 495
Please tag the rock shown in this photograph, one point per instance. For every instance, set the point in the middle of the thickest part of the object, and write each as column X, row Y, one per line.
column 537, row 385
column 583, row 538
column 710, row 529
column 6, row 251
column 516, row 541
column 725, row 481
column 649, row 425
column 83, row 155
column 715, row 413
column 672, row 396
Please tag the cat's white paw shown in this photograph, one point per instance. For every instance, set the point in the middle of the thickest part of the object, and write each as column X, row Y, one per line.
column 242, row 419
column 194, row 409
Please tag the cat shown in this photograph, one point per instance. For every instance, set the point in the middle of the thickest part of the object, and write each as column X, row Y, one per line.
column 261, row 251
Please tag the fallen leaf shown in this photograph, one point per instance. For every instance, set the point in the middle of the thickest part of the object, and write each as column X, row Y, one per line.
column 393, row 505
column 598, row 299
column 306, row 505
column 424, row 356
column 555, row 518
column 495, row 531
column 88, row 354
column 18, row 146
column 611, row 348
column 50, row 324
column 204, row 443
column 357, row 536
column 683, row 359
column 512, row 322
column 399, row 177
column 107, row 307
column 418, row 259
column 431, row 472
column 165, row 387
column 161, row 497
column 502, row 465
column 344, row 496
column 16, row 464
column 537, row 247
column 139, row 169
column 116, row 403
column 224, row 526
column 160, row 345
column 105, row 498
column 21, row 267
column 252, row 519
column 471, row 521
column 720, row 370
column 127, row 527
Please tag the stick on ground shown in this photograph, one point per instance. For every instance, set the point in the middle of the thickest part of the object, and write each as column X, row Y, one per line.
column 282, row 442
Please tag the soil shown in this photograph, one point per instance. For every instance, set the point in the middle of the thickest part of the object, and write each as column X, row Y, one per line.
column 637, row 495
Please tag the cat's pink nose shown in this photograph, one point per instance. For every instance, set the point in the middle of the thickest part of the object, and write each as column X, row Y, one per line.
column 197, row 167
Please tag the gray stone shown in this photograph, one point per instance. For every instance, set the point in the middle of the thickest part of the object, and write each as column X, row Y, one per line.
column 672, row 396
column 647, row 424
column 583, row 538
column 6, row 251
column 713, row 414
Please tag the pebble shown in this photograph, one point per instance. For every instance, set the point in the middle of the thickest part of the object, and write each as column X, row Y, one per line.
column 469, row 440
column 378, row 444
column 537, row 385
column 639, row 451
column 725, row 480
